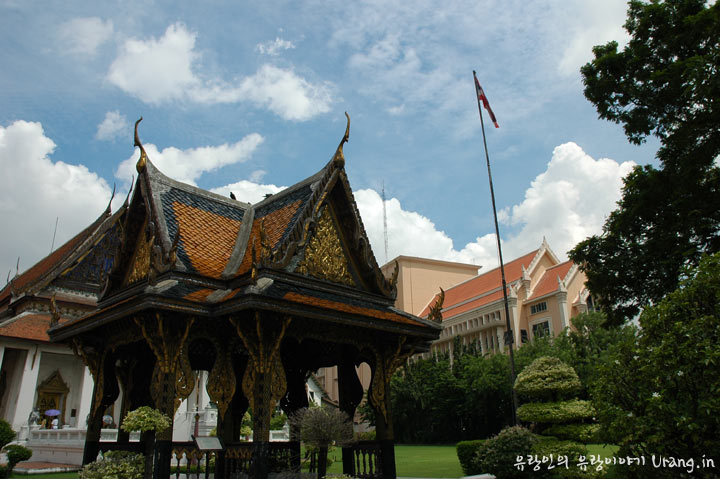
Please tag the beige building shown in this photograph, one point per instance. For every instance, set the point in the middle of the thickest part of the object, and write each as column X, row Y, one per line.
column 419, row 279
column 543, row 294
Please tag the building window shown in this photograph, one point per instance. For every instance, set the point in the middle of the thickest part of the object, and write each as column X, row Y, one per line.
column 541, row 329
column 538, row 308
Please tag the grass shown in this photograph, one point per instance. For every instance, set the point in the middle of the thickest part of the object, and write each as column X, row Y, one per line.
column 416, row 461
column 602, row 450
column 410, row 461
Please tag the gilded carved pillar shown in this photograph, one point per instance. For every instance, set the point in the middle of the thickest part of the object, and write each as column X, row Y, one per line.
column 264, row 381
column 387, row 360
column 173, row 379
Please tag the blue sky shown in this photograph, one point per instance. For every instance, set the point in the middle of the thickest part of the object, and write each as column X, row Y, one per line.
column 249, row 97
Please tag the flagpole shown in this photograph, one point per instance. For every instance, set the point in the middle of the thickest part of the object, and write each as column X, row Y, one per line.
column 509, row 340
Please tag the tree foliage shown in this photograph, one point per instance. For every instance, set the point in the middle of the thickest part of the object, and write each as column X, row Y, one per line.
column 144, row 419
column 434, row 402
column 665, row 83
column 6, row 433
column 322, row 426
column 664, row 222
column 659, row 390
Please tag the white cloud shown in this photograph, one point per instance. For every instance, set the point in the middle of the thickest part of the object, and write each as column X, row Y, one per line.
column 566, row 203
column 273, row 48
column 286, row 94
column 157, row 70
column 34, row 191
column 162, row 70
column 592, row 24
column 248, row 191
column 113, row 126
column 257, row 176
column 188, row 165
column 83, row 36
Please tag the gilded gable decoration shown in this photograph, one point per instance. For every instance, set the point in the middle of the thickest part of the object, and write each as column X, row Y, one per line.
column 324, row 254
column 141, row 261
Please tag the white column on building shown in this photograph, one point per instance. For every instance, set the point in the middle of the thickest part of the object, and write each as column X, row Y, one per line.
column 515, row 321
column 26, row 395
column 85, row 399
column 481, row 336
column 562, row 306
column 501, row 342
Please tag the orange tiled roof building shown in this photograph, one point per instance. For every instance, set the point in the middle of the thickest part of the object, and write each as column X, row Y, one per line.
column 543, row 294
column 258, row 296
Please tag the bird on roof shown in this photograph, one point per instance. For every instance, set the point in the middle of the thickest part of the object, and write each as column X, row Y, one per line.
column 232, row 196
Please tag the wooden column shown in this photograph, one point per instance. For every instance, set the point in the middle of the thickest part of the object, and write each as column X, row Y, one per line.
column 264, row 381
column 105, row 392
column 351, row 392
column 173, row 380
column 388, row 358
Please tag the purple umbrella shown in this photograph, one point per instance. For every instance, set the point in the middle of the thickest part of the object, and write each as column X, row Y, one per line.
column 52, row 412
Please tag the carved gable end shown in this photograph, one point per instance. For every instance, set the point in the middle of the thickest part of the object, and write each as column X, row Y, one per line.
column 140, row 265
column 325, row 255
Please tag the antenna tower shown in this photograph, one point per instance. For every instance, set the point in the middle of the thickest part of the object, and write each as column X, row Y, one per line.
column 385, row 233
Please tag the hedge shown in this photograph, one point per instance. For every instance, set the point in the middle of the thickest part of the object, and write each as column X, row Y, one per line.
column 466, row 451
column 585, row 433
column 499, row 454
column 556, row 412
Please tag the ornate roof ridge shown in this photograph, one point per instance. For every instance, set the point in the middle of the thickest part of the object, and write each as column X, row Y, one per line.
column 77, row 245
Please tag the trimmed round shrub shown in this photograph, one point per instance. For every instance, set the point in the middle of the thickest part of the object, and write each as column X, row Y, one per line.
column 547, row 378
column 498, row 455
column 556, row 412
column 17, row 453
column 585, row 433
column 466, row 451
column 115, row 465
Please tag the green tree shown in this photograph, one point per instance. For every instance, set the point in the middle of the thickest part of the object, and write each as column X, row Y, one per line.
column 665, row 221
column 659, row 390
column 665, row 82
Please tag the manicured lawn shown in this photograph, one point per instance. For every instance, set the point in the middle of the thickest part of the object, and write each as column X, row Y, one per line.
column 603, row 450
column 417, row 461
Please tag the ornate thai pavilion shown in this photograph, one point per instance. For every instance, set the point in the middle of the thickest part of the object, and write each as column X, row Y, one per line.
column 260, row 295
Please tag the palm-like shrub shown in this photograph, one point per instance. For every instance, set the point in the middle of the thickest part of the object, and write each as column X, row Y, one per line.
column 320, row 427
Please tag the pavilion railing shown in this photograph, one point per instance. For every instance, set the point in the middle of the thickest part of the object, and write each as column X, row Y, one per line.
column 282, row 457
column 366, row 455
column 367, row 459
column 189, row 461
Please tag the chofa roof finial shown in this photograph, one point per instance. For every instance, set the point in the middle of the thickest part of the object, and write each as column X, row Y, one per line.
column 143, row 156
column 339, row 158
